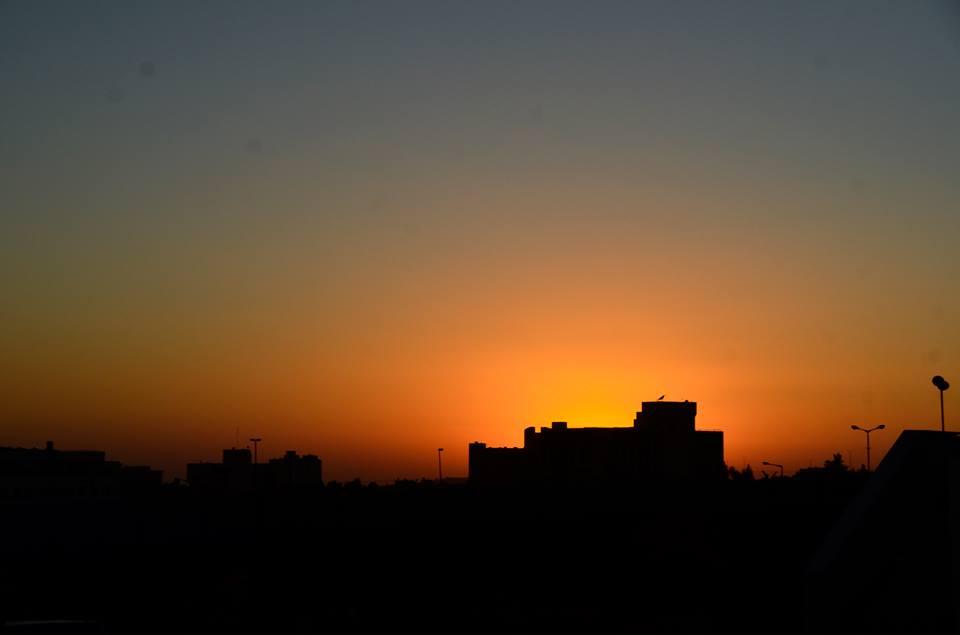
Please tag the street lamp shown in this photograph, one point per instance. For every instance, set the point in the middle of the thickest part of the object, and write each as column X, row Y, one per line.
column 255, row 441
column 440, row 462
column 879, row 427
column 941, row 384
column 775, row 465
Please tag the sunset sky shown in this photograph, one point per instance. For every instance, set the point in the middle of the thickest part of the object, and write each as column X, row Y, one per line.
column 370, row 229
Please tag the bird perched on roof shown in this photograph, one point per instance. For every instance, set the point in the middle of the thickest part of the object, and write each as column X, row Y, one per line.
column 660, row 398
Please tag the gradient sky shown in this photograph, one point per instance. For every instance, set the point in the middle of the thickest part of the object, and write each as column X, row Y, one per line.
column 369, row 229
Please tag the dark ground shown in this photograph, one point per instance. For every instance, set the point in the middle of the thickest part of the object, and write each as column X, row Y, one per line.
column 423, row 557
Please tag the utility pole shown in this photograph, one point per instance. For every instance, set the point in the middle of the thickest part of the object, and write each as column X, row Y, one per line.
column 440, row 462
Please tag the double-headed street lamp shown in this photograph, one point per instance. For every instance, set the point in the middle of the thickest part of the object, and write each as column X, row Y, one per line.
column 879, row 427
column 775, row 465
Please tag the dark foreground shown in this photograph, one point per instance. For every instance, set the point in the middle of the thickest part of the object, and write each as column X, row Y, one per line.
column 424, row 557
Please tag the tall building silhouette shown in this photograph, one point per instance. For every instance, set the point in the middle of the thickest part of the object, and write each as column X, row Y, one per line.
column 662, row 444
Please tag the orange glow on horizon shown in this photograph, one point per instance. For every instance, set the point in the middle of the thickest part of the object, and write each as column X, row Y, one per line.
column 543, row 298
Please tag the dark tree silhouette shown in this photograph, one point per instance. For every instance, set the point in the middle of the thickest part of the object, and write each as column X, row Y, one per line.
column 835, row 464
column 737, row 475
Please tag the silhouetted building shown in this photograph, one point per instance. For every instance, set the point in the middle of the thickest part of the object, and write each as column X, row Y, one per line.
column 662, row 444
column 31, row 472
column 233, row 456
column 891, row 564
column 294, row 472
column 239, row 474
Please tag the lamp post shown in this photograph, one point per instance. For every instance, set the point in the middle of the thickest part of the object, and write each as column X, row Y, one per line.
column 868, row 431
column 941, row 384
column 255, row 441
column 775, row 465
column 440, row 463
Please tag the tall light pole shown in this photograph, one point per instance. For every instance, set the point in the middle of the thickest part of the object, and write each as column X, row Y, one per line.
column 879, row 427
column 775, row 465
column 255, row 441
column 440, row 462
column 941, row 384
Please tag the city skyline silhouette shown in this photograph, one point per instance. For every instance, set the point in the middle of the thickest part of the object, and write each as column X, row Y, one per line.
column 608, row 316
column 607, row 445
column 367, row 232
column 181, row 471
column 854, row 549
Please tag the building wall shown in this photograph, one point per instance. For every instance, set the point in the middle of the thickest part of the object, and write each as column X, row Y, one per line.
column 31, row 472
column 238, row 474
column 663, row 444
column 497, row 466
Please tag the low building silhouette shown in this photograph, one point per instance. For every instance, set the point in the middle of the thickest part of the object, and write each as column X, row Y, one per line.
column 296, row 472
column 45, row 472
column 662, row 444
column 238, row 474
